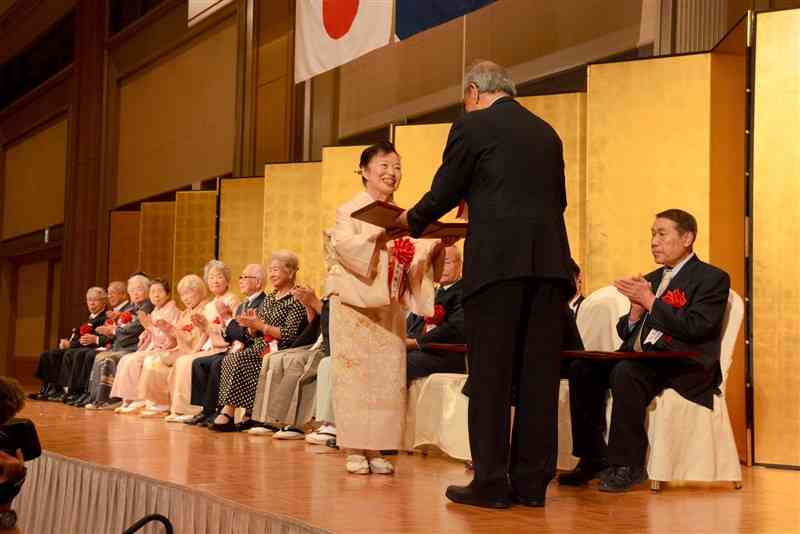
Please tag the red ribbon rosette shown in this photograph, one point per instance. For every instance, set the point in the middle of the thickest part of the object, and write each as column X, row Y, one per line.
column 85, row 329
column 218, row 320
column 675, row 298
column 188, row 328
column 109, row 322
column 125, row 317
column 267, row 348
column 438, row 316
column 399, row 261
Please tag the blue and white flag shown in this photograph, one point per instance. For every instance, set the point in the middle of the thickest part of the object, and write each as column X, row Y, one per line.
column 414, row 16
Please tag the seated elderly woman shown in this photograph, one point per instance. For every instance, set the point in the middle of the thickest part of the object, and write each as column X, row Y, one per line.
column 182, row 338
column 279, row 320
column 153, row 339
column 211, row 326
column 126, row 332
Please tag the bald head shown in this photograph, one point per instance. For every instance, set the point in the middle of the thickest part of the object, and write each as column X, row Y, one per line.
column 117, row 293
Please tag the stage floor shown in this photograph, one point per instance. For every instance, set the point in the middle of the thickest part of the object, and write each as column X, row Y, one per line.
column 309, row 484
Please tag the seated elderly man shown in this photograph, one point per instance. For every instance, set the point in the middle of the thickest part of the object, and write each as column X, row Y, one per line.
column 679, row 307
column 50, row 361
column 74, row 374
column 206, row 369
column 446, row 326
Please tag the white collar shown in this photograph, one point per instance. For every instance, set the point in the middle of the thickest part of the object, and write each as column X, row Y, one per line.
column 675, row 270
column 121, row 305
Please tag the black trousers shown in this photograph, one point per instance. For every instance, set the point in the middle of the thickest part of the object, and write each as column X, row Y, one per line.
column 633, row 386
column 206, row 375
column 515, row 331
column 76, row 368
column 421, row 364
column 49, row 366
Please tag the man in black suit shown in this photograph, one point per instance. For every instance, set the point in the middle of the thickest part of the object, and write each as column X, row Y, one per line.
column 72, row 375
column 206, row 371
column 507, row 164
column 447, row 328
column 50, row 361
column 679, row 307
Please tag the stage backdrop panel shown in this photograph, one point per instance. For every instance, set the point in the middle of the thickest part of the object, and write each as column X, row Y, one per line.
column 123, row 244
column 776, row 249
column 241, row 220
column 292, row 217
column 340, row 179
column 195, row 232
column 156, row 237
column 649, row 148
column 36, row 164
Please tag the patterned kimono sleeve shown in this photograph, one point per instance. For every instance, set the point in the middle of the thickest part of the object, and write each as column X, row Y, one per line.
column 294, row 321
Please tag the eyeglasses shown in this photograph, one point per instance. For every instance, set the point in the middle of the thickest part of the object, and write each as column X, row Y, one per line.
column 245, row 277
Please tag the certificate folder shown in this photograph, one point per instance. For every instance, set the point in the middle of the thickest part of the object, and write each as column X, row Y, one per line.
column 384, row 214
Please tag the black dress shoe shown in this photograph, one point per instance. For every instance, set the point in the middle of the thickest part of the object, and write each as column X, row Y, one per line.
column 244, row 426
column 83, row 400
column 622, row 478
column 473, row 497
column 70, row 398
column 227, row 426
column 533, row 502
column 41, row 394
column 584, row 472
column 197, row 419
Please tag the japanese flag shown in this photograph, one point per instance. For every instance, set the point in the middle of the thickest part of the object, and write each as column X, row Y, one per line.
column 332, row 32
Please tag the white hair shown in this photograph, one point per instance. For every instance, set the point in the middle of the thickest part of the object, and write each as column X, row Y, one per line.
column 192, row 282
column 489, row 77
column 256, row 270
column 96, row 292
column 216, row 265
column 288, row 259
column 139, row 280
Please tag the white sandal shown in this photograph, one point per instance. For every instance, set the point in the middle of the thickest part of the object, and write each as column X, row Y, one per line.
column 381, row 466
column 357, row 464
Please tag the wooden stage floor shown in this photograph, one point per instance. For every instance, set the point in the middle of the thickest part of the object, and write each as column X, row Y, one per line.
column 309, row 484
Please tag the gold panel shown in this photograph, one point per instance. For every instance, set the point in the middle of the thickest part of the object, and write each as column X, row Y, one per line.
column 31, row 309
column 123, row 253
column 420, row 147
column 55, row 299
column 191, row 136
column 195, row 231
column 340, row 179
column 648, row 136
column 776, row 249
column 156, row 238
column 566, row 113
column 241, row 223
column 292, row 218
column 37, row 163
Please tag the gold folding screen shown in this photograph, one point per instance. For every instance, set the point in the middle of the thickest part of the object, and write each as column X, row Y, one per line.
column 292, row 218
column 156, row 238
column 123, row 248
column 776, row 250
column 241, row 213
column 195, row 232
column 340, row 179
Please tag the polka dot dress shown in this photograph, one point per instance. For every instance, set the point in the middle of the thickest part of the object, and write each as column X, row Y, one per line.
column 240, row 370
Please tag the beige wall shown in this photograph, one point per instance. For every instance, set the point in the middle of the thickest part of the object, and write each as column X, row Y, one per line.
column 241, row 213
column 195, row 232
column 35, row 174
column 177, row 118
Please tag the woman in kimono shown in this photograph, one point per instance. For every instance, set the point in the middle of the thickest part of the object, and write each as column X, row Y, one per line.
column 127, row 331
column 218, row 277
column 153, row 339
column 182, row 337
column 279, row 320
column 372, row 281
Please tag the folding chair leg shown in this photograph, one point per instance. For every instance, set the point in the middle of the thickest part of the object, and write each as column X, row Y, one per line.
column 655, row 485
column 737, row 484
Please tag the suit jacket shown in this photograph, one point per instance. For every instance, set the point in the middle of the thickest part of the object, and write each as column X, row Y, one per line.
column 126, row 337
column 508, row 165
column 236, row 332
column 99, row 320
column 696, row 326
column 452, row 328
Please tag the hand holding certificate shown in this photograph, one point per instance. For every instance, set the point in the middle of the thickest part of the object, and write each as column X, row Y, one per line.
column 386, row 215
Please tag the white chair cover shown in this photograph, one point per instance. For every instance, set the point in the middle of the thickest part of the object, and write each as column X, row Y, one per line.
column 437, row 413
column 690, row 442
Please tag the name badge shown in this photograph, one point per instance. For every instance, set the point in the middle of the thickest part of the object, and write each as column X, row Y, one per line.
column 653, row 336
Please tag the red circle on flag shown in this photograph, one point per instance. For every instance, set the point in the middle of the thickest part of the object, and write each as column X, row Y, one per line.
column 338, row 16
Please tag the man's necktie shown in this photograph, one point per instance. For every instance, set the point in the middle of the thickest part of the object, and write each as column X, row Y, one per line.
column 662, row 286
